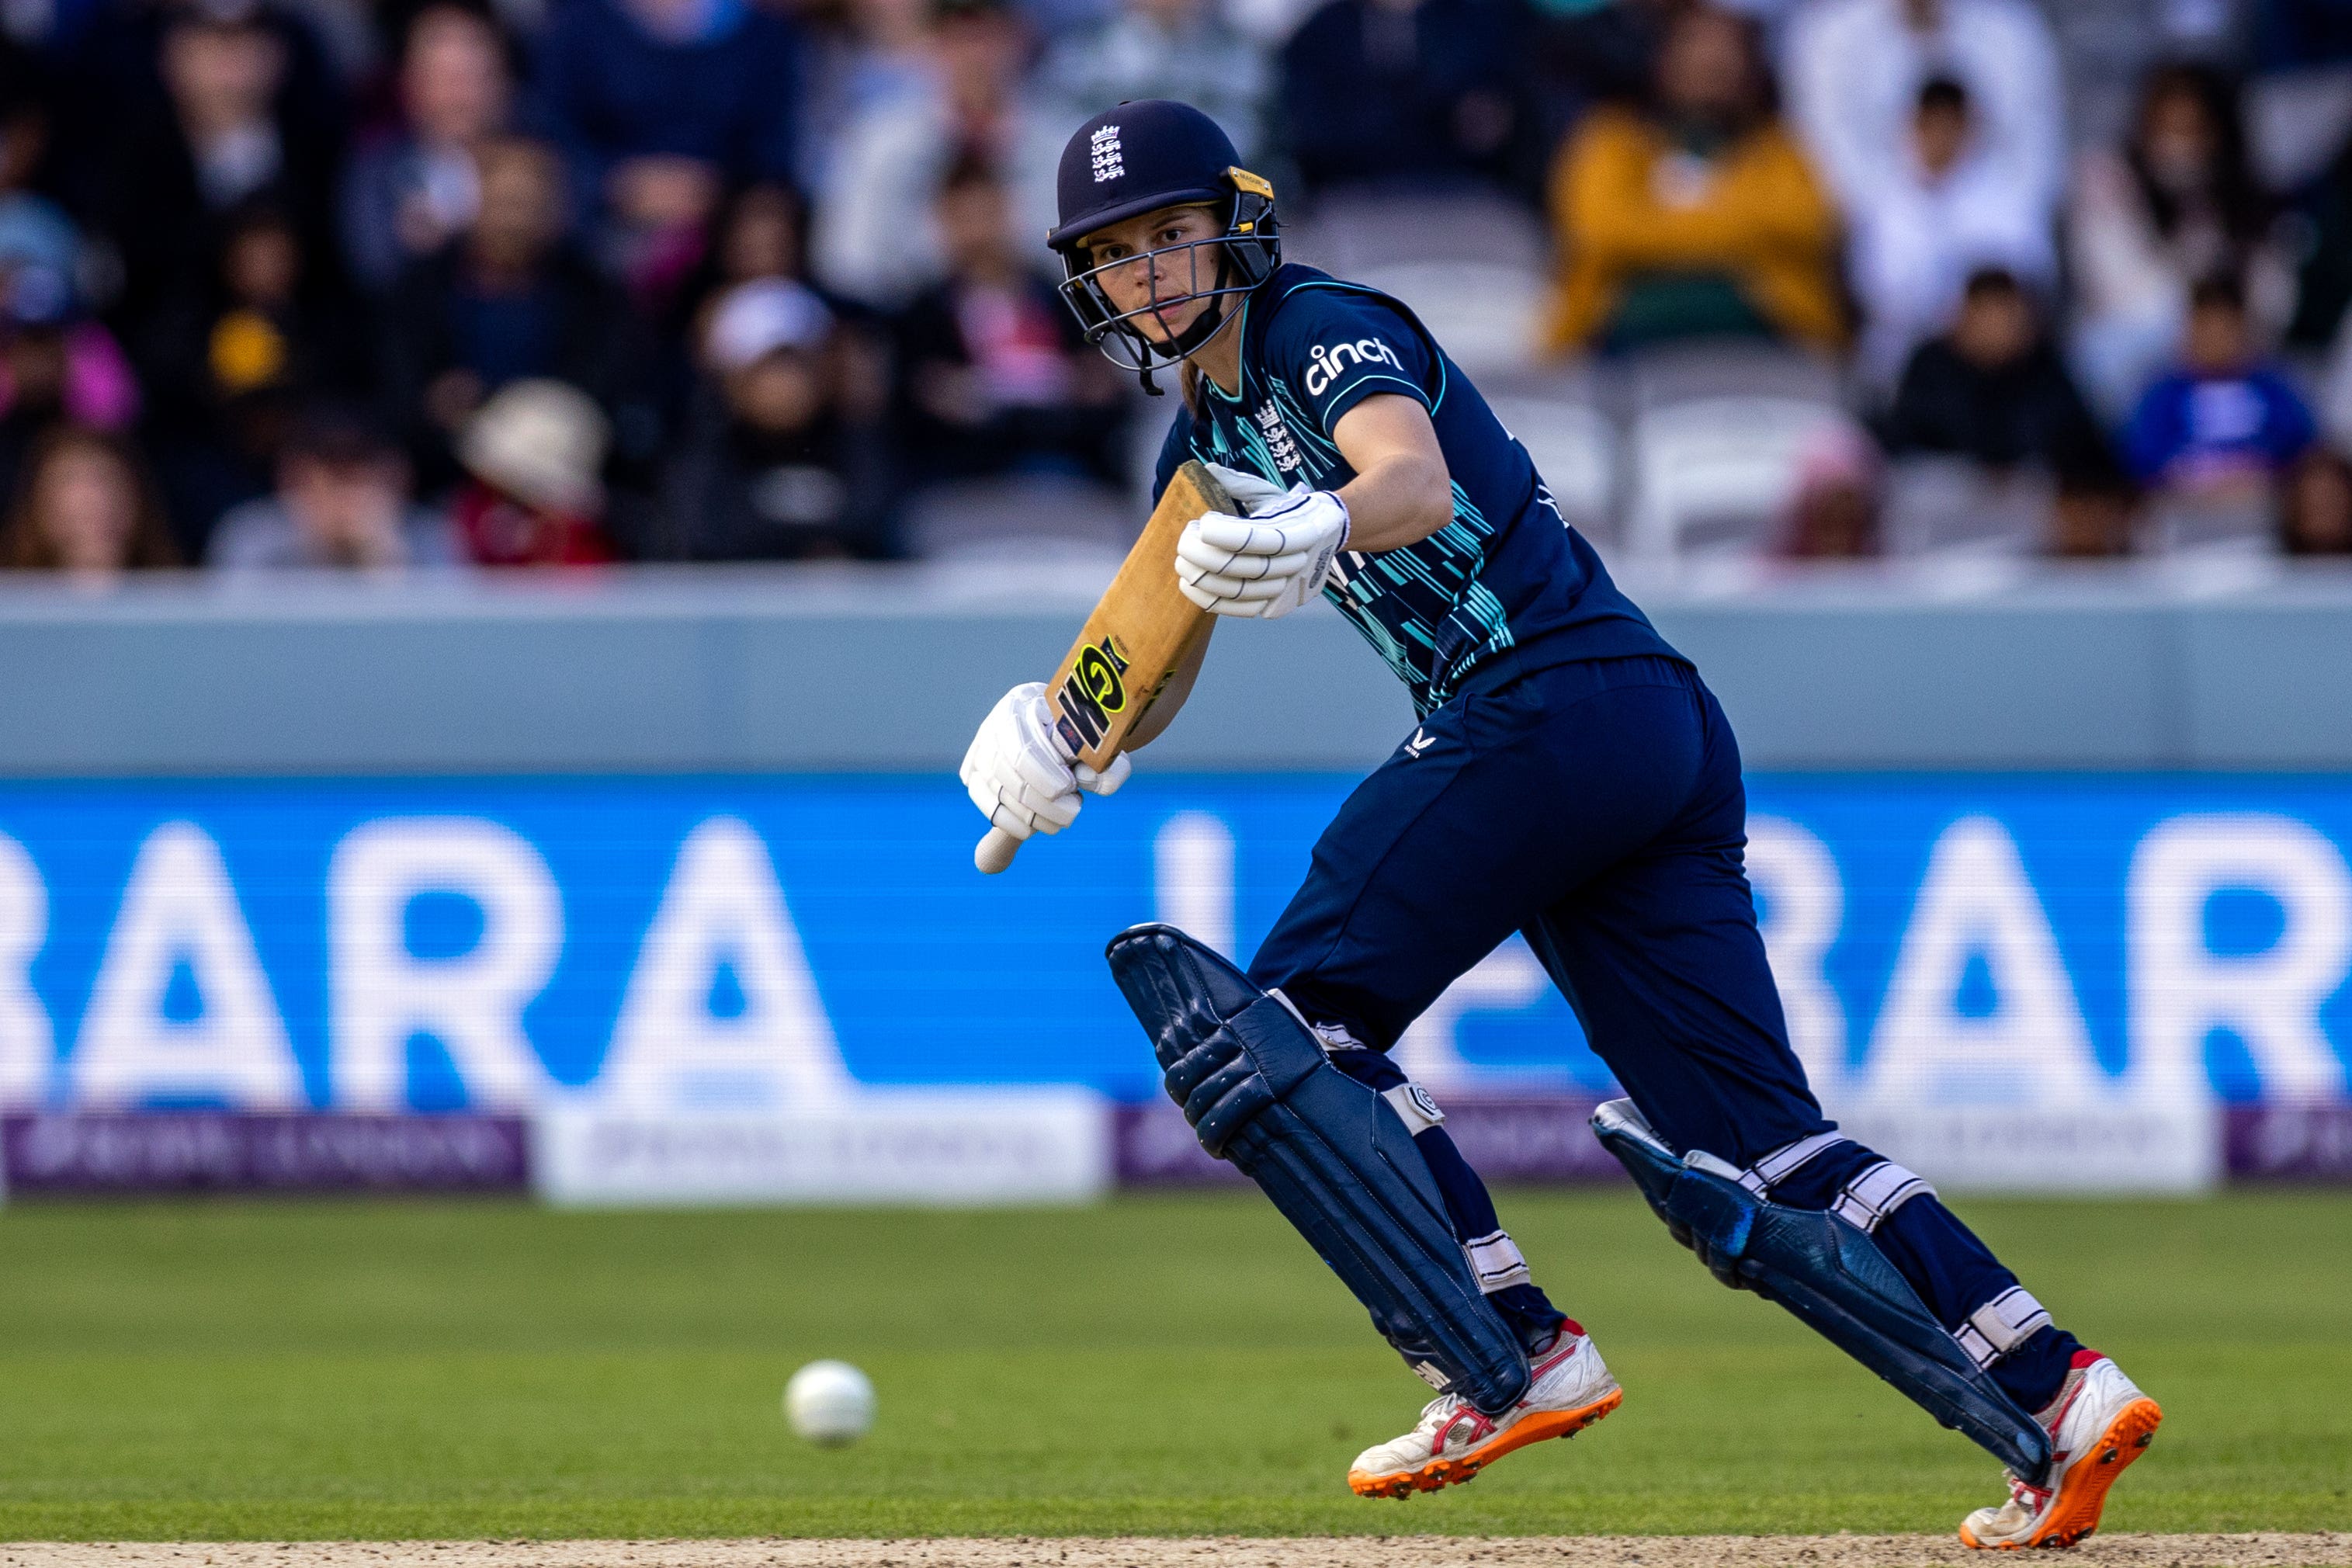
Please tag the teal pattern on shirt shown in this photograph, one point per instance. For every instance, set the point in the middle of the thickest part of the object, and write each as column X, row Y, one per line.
column 1505, row 573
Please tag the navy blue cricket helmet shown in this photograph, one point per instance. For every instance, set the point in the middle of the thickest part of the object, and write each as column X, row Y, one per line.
column 1138, row 158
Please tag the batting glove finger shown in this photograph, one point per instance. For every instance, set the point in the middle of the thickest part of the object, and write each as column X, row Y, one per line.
column 1020, row 822
column 1105, row 780
column 1250, row 492
column 1238, row 534
column 1053, row 813
column 1193, row 549
column 1244, row 589
column 1306, row 518
column 984, row 796
column 1013, row 820
column 1220, row 604
column 1041, row 770
column 1203, row 556
column 1242, row 584
column 1041, row 810
column 1229, row 598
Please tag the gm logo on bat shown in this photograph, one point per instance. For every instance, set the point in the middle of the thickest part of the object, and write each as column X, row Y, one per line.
column 1096, row 690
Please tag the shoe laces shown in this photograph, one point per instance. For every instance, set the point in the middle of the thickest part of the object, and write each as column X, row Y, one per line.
column 1440, row 1416
column 2026, row 1495
column 1439, row 1411
column 2052, row 1414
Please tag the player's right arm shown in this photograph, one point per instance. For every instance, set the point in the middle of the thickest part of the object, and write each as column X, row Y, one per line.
column 1364, row 374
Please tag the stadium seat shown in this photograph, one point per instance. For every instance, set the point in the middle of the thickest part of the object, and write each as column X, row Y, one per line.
column 1656, row 378
column 1345, row 233
column 1044, row 517
column 1573, row 441
column 1487, row 314
column 1718, row 475
column 1473, row 267
column 1938, row 507
column 2178, row 525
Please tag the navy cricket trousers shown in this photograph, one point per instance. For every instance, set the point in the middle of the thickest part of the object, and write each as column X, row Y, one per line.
column 1598, row 809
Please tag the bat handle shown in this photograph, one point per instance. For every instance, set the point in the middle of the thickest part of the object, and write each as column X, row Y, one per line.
column 994, row 852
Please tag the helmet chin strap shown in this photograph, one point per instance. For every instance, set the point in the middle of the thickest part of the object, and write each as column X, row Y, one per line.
column 1183, row 346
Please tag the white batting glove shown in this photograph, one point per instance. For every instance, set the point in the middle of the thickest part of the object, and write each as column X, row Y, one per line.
column 1018, row 773
column 1254, row 495
column 1105, row 780
column 1266, row 564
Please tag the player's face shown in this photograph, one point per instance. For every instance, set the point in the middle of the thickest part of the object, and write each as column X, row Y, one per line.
column 1154, row 265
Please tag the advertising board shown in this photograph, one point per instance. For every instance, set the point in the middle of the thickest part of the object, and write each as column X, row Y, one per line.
column 2007, row 980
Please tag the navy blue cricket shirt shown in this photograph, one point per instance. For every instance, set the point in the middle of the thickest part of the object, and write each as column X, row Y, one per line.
column 1508, row 573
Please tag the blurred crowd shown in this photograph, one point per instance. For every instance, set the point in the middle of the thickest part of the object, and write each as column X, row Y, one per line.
column 2139, row 323
column 507, row 283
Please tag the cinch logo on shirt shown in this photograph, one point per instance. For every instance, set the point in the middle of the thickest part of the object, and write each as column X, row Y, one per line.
column 1324, row 364
column 1105, row 149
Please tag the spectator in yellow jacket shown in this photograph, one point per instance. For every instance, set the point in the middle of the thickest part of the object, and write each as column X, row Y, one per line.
column 1698, row 218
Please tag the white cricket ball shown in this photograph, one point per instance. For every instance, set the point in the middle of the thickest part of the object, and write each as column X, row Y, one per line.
column 830, row 1402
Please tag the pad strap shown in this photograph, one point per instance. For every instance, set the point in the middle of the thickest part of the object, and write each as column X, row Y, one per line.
column 1413, row 1107
column 1496, row 1263
column 1875, row 1192
column 1783, row 1163
column 2002, row 1324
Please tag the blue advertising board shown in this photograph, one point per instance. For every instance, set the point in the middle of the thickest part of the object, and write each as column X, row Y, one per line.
column 2009, row 940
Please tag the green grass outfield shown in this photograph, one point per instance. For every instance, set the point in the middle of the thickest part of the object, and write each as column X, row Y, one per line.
column 1164, row 1365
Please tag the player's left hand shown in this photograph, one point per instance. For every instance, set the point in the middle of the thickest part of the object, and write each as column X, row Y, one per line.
column 1253, row 494
column 1266, row 564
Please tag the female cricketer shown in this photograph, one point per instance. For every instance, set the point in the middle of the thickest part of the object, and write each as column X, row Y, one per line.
column 1571, row 779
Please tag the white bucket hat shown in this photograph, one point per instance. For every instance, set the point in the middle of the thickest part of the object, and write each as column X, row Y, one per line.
column 544, row 443
column 754, row 320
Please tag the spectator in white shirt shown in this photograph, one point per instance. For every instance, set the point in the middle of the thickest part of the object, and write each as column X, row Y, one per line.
column 875, row 239
column 1159, row 49
column 1854, row 68
column 1948, row 210
column 2177, row 205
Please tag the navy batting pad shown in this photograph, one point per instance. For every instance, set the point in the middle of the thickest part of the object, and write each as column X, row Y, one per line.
column 1832, row 1277
column 1334, row 1156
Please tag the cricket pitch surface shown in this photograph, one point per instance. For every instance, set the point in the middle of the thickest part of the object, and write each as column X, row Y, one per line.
column 2311, row 1550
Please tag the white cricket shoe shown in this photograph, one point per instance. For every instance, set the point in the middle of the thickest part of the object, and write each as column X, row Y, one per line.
column 2098, row 1425
column 1568, row 1390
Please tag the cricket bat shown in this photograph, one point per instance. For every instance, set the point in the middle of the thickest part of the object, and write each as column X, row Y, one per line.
column 1140, row 633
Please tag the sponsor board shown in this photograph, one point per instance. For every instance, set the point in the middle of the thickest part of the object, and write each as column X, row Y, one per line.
column 956, row 1148
column 2290, row 1142
column 609, row 1157
column 2008, row 980
column 151, row 1151
column 2086, row 1149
